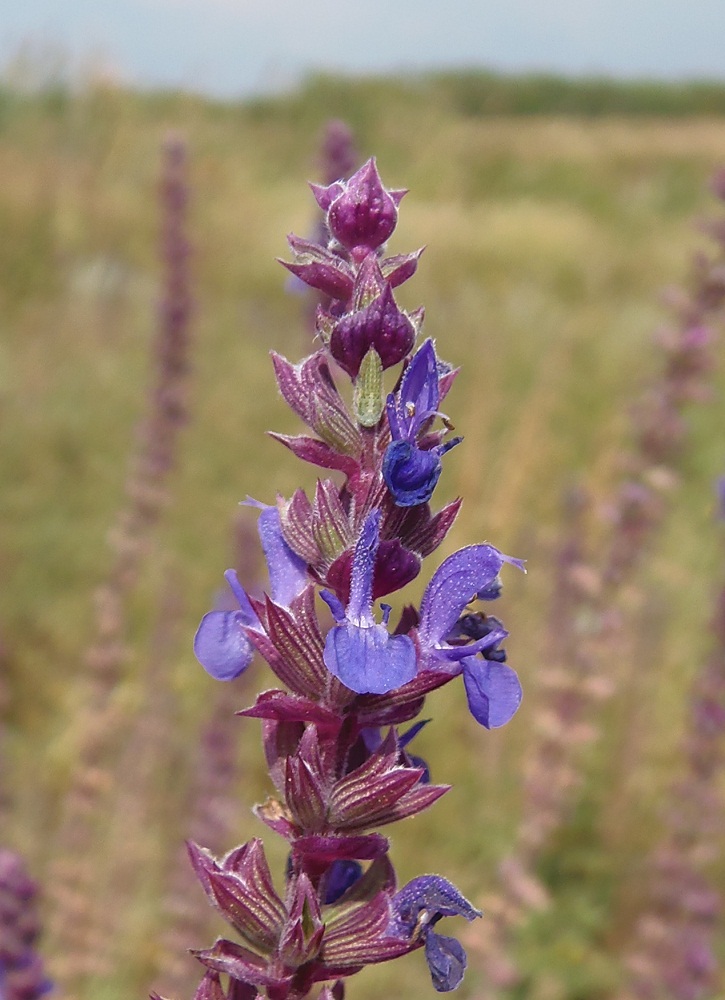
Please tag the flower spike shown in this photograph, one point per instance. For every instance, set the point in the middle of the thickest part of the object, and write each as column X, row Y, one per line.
column 337, row 728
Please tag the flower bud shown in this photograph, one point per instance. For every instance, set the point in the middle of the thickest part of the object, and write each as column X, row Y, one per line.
column 361, row 214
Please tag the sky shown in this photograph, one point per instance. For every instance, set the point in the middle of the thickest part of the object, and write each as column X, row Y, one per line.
column 232, row 48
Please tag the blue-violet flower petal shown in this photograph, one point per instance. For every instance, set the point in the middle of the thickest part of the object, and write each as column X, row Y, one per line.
column 359, row 652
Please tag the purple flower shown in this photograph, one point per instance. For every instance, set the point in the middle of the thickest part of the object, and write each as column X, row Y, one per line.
column 411, row 468
column 359, row 652
column 417, row 908
column 492, row 688
column 221, row 644
column 22, row 976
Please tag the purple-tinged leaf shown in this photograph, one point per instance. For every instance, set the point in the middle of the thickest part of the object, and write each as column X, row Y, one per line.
column 284, row 707
column 296, row 948
column 310, row 391
column 335, row 847
column 446, row 380
column 250, row 863
column 380, row 791
column 493, row 691
column 295, row 517
column 277, row 818
column 352, row 802
column 202, row 862
column 400, row 705
column 369, row 283
column 300, row 644
column 356, row 934
column 252, row 916
column 293, row 644
column 400, row 267
column 305, row 796
column 326, row 194
column 241, row 888
column 422, row 533
column 291, row 384
column 241, row 991
column 317, row 755
column 302, row 937
column 304, row 899
column 317, row 453
column 328, row 278
column 416, row 800
column 362, row 816
column 233, row 960
column 313, row 250
column 210, row 988
column 375, row 764
column 330, row 524
column 280, row 740
column 285, row 671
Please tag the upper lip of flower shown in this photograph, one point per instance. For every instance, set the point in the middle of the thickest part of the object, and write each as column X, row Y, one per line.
column 455, row 584
column 358, row 651
column 412, row 466
column 418, row 398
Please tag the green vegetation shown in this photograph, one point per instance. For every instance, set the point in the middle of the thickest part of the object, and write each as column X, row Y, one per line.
column 555, row 212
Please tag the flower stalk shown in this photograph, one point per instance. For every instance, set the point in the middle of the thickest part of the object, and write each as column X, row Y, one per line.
column 335, row 728
column 75, row 929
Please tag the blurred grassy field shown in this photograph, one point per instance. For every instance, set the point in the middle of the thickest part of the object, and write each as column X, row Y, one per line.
column 550, row 238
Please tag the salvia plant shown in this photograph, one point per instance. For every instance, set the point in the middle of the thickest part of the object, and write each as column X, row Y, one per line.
column 79, row 930
column 338, row 729
column 21, row 969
